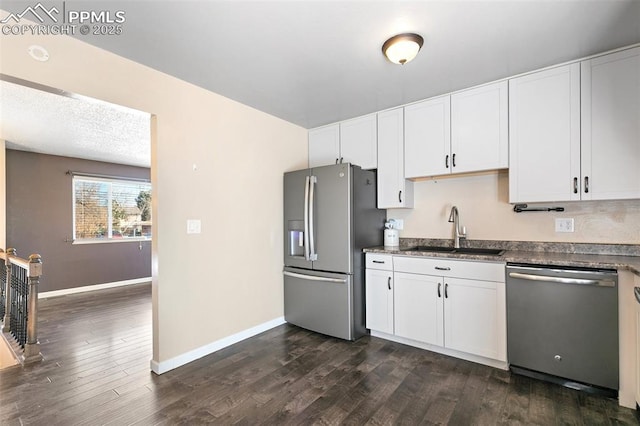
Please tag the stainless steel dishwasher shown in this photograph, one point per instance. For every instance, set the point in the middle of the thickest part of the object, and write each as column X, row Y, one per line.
column 562, row 326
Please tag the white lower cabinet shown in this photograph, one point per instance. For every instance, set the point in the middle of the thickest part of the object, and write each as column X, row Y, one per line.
column 473, row 317
column 379, row 300
column 379, row 293
column 418, row 312
column 458, row 306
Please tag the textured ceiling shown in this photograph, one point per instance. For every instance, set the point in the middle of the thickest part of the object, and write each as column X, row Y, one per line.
column 52, row 123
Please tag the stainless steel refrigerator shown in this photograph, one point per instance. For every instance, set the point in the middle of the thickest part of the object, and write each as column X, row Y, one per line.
column 330, row 215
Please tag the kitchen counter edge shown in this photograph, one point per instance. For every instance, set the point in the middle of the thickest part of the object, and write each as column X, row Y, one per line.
column 598, row 261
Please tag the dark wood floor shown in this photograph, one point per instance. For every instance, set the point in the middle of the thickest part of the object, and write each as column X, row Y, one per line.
column 98, row 346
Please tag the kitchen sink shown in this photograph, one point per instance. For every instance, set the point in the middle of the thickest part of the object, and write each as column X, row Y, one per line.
column 431, row 248
column 484, row 251
column 461, row 250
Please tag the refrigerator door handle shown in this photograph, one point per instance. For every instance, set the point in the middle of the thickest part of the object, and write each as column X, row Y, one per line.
column 314, row 278
column 307, row 255
column 312, row 247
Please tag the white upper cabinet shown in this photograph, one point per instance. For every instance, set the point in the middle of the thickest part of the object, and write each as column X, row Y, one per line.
column 427, row 137
column 611, row 126
column 464, row 132
column 480, row 128
column 544, row 135
column 352, row 141
column 324, row 145
column 575, row 131
column 394, row 191
column 359, row 141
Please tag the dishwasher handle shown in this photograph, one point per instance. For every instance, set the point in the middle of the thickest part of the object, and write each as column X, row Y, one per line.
column 564, row 280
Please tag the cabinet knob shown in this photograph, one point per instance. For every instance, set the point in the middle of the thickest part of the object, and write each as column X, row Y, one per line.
column 557, row 358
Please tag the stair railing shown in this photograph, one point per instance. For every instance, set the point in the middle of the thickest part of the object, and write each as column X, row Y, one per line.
column 19, row 281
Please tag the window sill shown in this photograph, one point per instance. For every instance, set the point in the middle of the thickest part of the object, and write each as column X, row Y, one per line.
column 111, row 241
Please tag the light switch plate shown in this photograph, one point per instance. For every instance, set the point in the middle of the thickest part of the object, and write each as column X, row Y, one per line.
column 564, row 225
column 193, row 226
column 399, row 224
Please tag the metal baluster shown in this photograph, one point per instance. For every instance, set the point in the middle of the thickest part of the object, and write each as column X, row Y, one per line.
column 8, row 291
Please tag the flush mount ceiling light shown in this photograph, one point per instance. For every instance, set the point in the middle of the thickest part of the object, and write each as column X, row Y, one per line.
column 402, row 48
column 38, row 53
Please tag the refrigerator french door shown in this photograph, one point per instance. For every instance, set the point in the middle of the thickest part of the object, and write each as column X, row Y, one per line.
column 330, row 214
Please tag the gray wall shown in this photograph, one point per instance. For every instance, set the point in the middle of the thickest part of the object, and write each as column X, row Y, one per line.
column 39, row 220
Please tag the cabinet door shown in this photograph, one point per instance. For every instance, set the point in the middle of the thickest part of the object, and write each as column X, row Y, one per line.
column 611, row 126
column 480, row 128
column 359, row 141
column 428, row 138
column 418, row 308
column 393, row 190
column 324, row 145
column 379, row 300
column 544, row 135
column 475, row 317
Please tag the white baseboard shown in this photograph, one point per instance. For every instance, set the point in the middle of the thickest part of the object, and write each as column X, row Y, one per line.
column 94, row 287
column 185, row 358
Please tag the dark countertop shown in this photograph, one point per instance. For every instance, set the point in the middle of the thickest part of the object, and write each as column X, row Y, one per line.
column 601, row 256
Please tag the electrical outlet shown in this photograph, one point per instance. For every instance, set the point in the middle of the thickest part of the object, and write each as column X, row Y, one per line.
column 194, row 226
column 564, row 225
column 399, row 224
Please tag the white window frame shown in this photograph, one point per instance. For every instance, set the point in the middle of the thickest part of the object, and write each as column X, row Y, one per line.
column 110, row 181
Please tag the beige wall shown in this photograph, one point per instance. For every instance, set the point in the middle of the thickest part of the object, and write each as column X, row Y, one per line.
column 228, row 278
column 484, row 209
column 3, row 189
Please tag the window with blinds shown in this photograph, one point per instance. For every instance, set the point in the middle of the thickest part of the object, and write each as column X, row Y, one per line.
column 110, row 209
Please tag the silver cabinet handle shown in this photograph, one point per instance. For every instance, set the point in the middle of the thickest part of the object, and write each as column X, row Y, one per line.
column 314, row 278
column 562, row 280
column 389, row 283
column 442, row 268
column 307, row 255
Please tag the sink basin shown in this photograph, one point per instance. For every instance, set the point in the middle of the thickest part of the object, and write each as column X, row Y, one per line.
column 431, row 248
column 484, row 251
column 461, row 250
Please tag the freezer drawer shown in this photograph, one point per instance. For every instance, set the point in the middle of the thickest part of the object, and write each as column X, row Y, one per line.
column 320, row 302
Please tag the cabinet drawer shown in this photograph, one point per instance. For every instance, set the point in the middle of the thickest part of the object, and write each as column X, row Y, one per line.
column 487, row 271
column 379, row 261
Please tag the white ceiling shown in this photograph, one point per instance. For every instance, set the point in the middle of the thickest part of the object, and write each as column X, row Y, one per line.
column 317, row 62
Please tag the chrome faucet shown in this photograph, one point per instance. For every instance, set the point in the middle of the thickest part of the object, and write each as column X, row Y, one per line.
column 454, row 217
